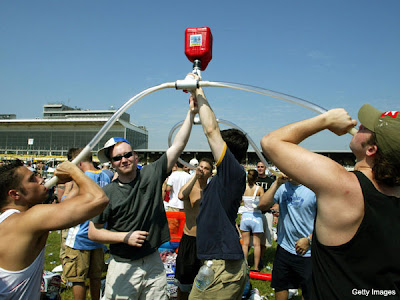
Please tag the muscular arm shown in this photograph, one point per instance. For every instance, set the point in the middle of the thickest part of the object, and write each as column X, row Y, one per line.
column 267, row 199
column 187, row 188
column 182, row 137
column 313, row 170
column 210, row 125
column 334, row 187
column 87, row 201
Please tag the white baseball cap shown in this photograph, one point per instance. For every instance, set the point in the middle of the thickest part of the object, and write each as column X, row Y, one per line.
column 103, row 154
column 194, row 162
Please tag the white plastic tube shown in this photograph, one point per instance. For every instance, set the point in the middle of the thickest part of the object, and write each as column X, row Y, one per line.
column 254, row 89
column 251, row 142
column 96, row 139
column 188, row 84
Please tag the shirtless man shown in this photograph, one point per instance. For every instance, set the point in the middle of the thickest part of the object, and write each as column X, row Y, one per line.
column 187, row 263
column 25, row 226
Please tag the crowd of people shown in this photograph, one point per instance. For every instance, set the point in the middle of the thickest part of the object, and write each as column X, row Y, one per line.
column 333, row 240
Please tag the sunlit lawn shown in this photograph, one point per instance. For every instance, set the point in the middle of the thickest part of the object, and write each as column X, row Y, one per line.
column 52, row 260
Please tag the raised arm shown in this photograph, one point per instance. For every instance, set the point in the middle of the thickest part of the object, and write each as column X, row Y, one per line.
column 210, row 125
column 313, row 170
column 88, row 201
column 187, row 188
column 267, row 199
column 182, row 137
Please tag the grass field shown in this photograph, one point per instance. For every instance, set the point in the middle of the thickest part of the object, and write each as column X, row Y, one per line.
column 52, row 260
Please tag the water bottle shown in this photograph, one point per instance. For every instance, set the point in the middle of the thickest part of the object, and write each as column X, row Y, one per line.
column 205, row 276
column 255, row 294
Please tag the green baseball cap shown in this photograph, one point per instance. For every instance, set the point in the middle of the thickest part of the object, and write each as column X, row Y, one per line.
column 386, row 126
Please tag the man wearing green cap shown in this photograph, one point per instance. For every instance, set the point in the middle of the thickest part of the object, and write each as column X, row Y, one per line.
column 355, row 243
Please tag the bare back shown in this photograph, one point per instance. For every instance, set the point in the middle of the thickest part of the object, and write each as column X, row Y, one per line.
column 251, row 190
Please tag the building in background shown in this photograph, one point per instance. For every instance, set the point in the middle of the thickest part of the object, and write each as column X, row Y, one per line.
column 61, row 128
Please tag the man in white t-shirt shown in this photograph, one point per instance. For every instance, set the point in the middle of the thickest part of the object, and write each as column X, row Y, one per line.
column 176, row 180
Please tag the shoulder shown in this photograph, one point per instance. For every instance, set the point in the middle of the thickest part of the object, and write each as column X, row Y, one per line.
column 308, row 193
column 111, row 186
column 260, row 191
column 10, row 216
column 228, row 160
column 171, row 177
column 282, row 189
column 162, row 160
column 160, row 163
column 186, row 175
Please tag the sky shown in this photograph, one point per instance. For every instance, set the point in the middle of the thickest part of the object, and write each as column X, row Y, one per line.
column 99, row 54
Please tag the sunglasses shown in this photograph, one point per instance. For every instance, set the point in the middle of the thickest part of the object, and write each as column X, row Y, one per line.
column 119, row 157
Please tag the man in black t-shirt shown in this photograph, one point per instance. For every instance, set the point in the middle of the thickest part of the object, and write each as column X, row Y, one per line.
column 265, row 182
column 217, row 237
column 263, row 179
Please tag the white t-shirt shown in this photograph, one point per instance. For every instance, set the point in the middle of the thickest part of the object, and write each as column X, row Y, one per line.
column 176, row 180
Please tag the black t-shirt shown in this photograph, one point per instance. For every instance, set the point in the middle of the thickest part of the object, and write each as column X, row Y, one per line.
column 217, row 236
column 137, row 205
column 265, row 182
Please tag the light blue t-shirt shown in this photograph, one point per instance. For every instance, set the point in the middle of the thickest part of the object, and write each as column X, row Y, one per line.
column 297, row 211
column 77, row 236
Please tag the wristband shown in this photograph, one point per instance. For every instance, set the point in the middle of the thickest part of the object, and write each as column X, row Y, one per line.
column 309, row 240
column 126, row 238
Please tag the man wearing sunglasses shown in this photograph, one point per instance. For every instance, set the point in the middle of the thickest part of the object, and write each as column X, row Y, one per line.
column 136, row 220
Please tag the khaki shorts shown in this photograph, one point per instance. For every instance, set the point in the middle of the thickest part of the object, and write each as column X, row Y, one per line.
column 144, row 278
column 64, row 233
column 170, row 208
column 78, row 265
column 229, row 281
